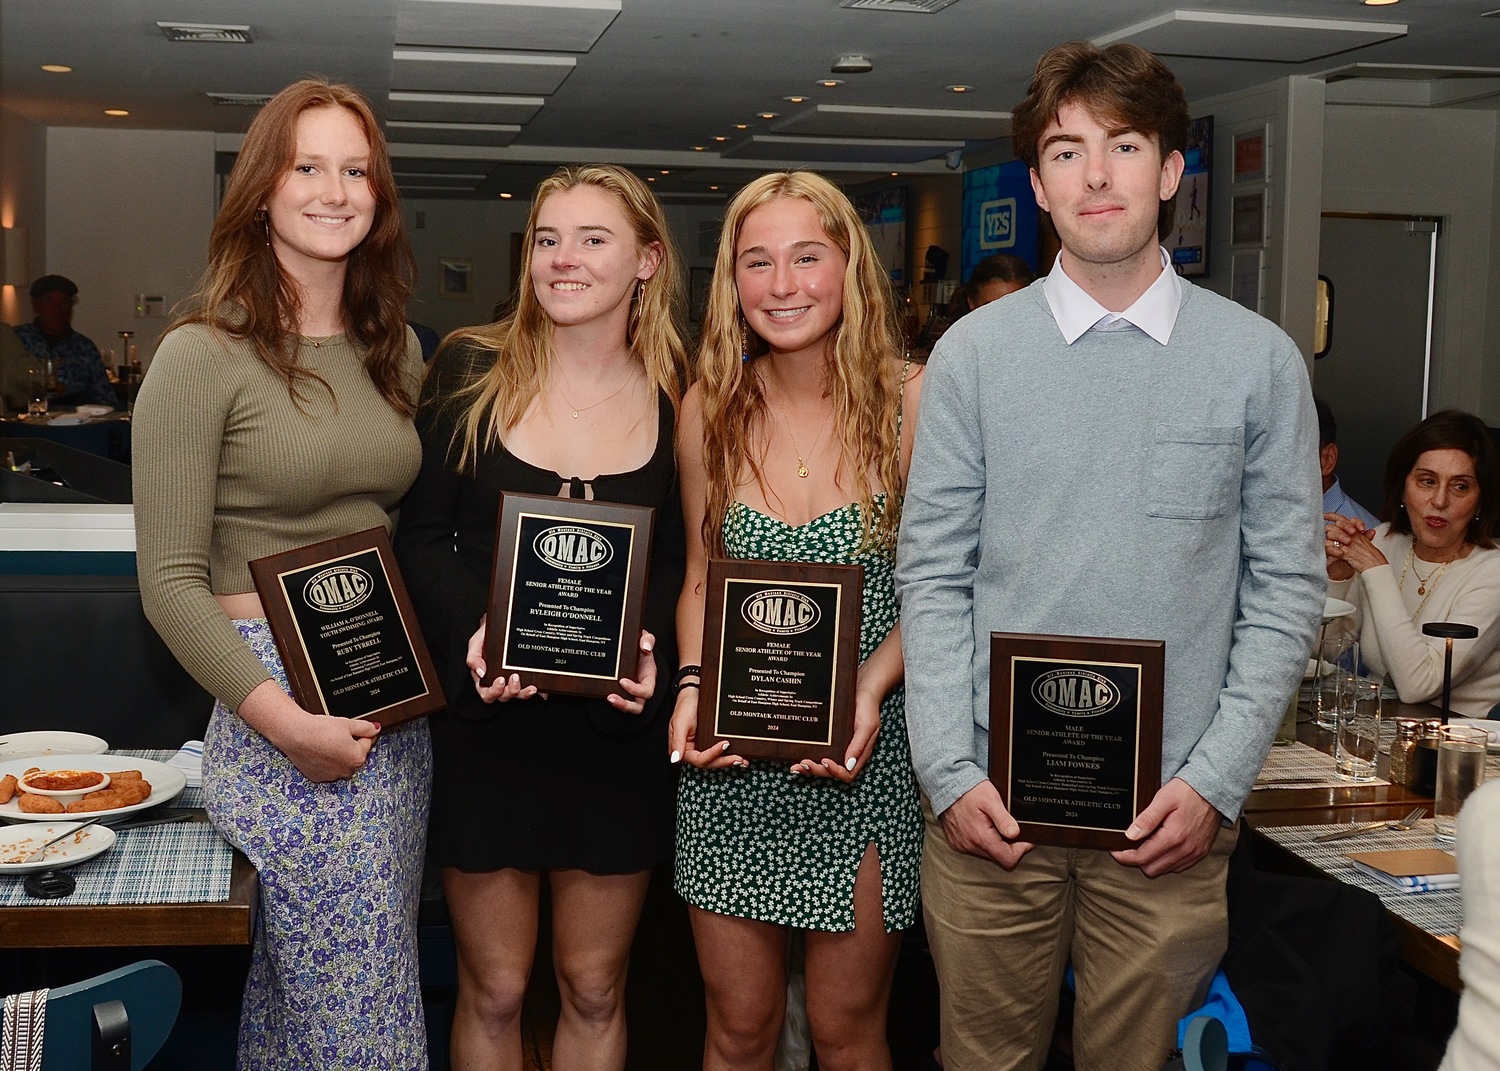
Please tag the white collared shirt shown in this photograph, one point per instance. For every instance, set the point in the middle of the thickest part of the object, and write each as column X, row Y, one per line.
column 1075, row 310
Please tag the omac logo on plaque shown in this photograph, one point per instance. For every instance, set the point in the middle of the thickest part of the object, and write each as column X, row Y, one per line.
column 1075, row 693
column 576, row 550
column 780, row 612
column 340, row 588
column 346, row 629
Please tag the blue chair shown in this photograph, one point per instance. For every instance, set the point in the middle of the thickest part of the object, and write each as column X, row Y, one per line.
column 117, row 1020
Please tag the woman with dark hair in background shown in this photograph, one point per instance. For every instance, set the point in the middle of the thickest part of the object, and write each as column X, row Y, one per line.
column 1434, row 560
column 573, row 394
column 277, row 413
column 794, row 447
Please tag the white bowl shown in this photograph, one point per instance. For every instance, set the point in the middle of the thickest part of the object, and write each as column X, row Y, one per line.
column 64, row 796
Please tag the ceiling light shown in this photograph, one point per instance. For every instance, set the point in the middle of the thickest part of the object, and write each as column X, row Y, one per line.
column 713, row 187
column 57, row 68
column 829, row 83
column 853, row 63
column 506, row 196
column 795, row 100
column 205, row 32
column 742, row 126
column 959, row 88
column 720, row 137
column 664, row 171
column 895, row 174
column 1379, row 3
column 768, row 115
column 115, row 111
column 650, row 178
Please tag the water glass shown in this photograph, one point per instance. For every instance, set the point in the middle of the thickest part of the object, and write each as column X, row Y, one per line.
column 36, row 383
column 1338, row 666
column 1358, row 730
column 1460, row 770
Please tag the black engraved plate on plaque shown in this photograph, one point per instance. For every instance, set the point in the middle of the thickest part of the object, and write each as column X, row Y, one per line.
column 780, row 654
column 567, row 592
column 1075, row 734
column 346, row 630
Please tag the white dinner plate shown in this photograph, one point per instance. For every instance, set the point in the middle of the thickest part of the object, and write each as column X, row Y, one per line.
column 1333, row 609
column 167, row 782
column 16, row 842
column 49, row 742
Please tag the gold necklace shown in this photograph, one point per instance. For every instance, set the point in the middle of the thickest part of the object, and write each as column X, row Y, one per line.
column 802, row 469
column 319, row 343
column 1424, row 583
column 575, row 409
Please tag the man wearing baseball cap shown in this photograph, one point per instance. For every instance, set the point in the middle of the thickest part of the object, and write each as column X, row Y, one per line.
column 75, row 359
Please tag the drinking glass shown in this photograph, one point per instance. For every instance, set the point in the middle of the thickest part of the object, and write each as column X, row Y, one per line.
column 36, row 382
column 1460, row 770
column 1358, row 731
column 1338, row 665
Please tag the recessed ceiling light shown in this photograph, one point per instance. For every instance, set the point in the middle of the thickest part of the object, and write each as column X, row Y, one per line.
column 895, row 174
column 699, row 148
column 1378, row 3
column 959, row 89
column 742, row 126
column 665, row 171
column 650, row 178
column 713, row 187
column 506, row 196
column 720, row 137
column 115, row 111
column 829, row 83
column 57, row 68
column 795, row 99
column 768, row 115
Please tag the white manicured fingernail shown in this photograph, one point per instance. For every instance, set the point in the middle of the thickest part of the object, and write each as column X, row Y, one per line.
column 850, row 764
column 676, row 757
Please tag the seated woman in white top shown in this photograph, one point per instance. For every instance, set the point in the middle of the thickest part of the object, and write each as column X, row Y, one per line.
column 1433, row 560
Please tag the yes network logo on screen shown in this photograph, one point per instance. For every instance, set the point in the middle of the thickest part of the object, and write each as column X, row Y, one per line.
column 997, row 224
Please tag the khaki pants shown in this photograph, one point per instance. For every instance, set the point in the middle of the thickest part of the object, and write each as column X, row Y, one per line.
column 1143, row 951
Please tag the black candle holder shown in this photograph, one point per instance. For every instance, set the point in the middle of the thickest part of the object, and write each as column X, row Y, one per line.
column 1449, row 631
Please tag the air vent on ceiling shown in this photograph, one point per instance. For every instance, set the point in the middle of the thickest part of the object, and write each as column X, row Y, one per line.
column 916, row 7
column 247, row 100
column 205, row 32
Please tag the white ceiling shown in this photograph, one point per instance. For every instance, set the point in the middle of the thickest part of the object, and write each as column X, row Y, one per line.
column 507, row 89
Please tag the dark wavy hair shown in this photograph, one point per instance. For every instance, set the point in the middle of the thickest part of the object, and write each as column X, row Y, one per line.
column 1123, row 85
column 247, row 294
column 1450, row 429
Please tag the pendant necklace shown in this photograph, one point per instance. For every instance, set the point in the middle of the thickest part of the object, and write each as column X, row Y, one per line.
column 802, row 469
column 318, row 343
column 1425, row 584
column 575, row 409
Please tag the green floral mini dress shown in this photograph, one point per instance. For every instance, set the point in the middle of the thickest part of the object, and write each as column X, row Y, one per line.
column 775, row 846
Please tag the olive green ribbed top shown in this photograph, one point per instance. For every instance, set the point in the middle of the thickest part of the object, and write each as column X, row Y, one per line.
column 227, row 469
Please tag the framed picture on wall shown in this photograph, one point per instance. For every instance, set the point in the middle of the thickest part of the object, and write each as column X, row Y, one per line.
column 1247, row 221
column 884, row 215
column 1187, row 243
column 457, row 278
column 1250, row 156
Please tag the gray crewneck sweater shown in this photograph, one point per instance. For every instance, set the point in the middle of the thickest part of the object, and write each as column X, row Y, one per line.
column 1114, row 487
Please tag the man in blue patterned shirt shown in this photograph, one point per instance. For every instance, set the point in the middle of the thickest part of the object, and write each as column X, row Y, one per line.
column 76, row 363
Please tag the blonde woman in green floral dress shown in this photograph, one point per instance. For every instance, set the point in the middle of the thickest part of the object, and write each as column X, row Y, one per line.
column 793, row 446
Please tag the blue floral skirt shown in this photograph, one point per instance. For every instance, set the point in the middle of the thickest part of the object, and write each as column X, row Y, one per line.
column 333, row 971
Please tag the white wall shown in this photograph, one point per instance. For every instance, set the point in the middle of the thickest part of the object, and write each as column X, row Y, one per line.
column 128, row 212
column 1383, row 159
column 1291, row 112
column 23, row 178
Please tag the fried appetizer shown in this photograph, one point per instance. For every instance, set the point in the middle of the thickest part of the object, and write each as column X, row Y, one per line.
column 107, row 799
column 8, row 785
column 30, row 803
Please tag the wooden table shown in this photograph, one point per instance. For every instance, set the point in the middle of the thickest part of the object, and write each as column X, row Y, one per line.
column 230, row 922
column 1434, row 955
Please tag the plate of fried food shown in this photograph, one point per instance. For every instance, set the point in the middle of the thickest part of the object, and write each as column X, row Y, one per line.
column 94, row 786
column 18, row 842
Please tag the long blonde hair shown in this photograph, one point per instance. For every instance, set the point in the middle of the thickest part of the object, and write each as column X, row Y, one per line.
column 496, row 400
column 247, row 294
column 864, row 339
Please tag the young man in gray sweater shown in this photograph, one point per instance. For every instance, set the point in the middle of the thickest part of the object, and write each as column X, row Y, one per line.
column 1110, row 452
